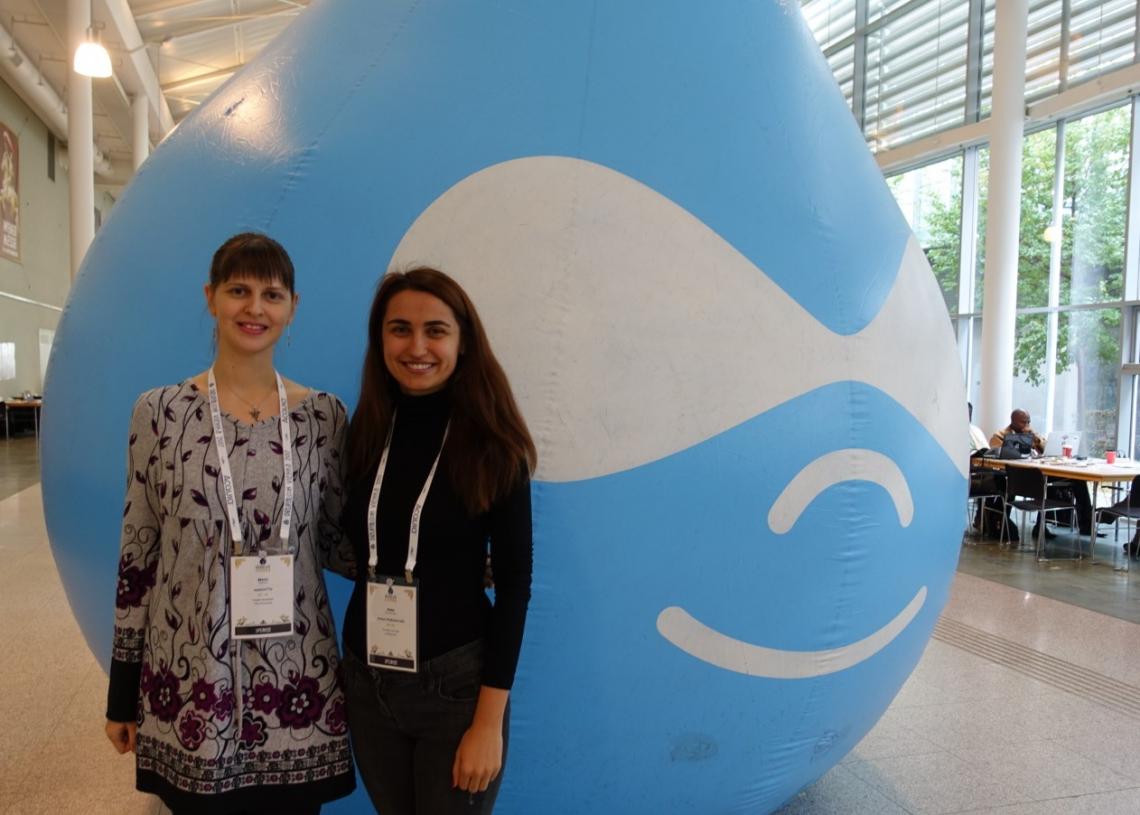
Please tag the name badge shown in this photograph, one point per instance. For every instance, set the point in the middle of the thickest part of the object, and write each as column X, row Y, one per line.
column 261, row 596
column 392, row 625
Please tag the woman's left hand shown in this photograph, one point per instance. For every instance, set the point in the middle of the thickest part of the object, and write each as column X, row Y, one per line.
column 478, row 759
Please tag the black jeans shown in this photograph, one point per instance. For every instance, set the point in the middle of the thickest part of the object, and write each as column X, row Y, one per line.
column 405, row 729
column 313, row 810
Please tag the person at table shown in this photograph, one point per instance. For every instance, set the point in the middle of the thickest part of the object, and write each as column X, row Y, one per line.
column 977, row 436
column 1019, row 426
column 984, row 482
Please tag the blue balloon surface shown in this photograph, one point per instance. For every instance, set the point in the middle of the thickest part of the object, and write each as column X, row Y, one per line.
column 342, row 135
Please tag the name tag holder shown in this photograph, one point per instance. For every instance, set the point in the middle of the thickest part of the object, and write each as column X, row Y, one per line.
column 393, row 624
column 261, row 596
column 392, row 608
column 261, row 585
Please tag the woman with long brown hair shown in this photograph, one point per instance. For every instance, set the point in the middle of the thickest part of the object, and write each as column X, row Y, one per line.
column 439, row 478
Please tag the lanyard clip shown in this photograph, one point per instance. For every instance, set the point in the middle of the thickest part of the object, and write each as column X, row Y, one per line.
column 408, row 575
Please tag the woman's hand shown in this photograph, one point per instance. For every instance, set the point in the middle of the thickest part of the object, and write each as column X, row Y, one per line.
column 122, row 735
column 479, row 758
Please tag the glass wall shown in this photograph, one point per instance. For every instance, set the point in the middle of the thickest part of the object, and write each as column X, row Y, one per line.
column 1038, row 159
column 1030, row 385
column 1095, row 204
column 916, row 72
column 1088, row 376
column 1068, row 349
column 927, row 68
column 921, row 75
column 930, row 198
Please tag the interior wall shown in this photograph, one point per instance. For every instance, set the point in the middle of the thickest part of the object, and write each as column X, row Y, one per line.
column 42, row 275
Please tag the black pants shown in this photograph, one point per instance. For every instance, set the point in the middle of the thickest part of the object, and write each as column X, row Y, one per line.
column 1080, row 493
column 316, row 810
column 405, row 729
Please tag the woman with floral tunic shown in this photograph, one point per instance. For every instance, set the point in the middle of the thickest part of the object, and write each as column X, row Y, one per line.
column 227, row 714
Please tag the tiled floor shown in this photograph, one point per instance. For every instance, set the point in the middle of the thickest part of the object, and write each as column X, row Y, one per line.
column 1023, row 704
column 53, row 755
column 1025, row 734
column 19, row 465
column 1105, row 588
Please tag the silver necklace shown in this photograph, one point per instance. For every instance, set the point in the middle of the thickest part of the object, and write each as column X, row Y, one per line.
column 254, row 407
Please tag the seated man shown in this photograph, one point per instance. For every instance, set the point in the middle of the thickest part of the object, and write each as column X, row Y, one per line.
column 1019, row 425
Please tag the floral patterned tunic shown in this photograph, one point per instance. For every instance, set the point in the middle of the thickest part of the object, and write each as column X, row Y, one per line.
column 175, row 668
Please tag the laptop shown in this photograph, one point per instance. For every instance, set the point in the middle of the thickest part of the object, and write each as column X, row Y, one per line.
column 1063, row 438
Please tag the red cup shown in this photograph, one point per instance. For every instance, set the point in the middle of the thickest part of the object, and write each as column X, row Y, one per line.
column 1066, row 451
column 1110, row 457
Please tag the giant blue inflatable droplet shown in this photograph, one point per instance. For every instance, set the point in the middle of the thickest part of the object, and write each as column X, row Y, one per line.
column 728, row 346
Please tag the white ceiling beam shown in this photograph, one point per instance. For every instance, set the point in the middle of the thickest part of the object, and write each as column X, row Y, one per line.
column 144, row 10
column 137, row 63
column 158, row 7
column 198, row 79
column 1115, row 86
column 921, row 150
column 202, row 25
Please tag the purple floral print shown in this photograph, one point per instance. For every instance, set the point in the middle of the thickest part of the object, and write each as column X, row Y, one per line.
column 133, row 584
column 203, row 696
column 163, row 696
column 191, row 730
column 301, row 703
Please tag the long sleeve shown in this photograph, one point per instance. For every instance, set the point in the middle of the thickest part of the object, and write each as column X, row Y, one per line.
column 335, row 547
column 512, row 561
column 138, row 560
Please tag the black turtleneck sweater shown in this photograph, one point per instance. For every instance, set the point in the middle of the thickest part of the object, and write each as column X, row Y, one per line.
column 454, row 608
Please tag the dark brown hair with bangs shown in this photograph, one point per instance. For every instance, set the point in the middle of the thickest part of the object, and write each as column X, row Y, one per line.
column 252, row 254
column 489, row 447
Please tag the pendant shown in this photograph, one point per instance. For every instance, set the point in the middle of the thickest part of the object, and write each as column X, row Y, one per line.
column 254, row 413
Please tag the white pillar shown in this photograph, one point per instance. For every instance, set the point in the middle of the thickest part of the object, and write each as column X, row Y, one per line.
column 1003, row 214
column 140, row 141
column 1053, row 322
column 80, row 139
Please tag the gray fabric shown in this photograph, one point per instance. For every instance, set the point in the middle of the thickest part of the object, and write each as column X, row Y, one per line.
column 172, row 613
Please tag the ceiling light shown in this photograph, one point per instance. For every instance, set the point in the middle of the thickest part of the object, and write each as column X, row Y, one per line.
column 91, row 58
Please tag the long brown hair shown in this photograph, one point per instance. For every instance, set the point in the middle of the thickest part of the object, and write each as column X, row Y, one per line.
column 489, row 447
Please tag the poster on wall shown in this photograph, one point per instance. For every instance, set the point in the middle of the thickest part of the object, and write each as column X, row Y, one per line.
column 9, row 194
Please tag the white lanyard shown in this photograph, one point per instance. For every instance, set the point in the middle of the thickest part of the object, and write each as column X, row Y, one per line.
column 227, row 475
column 417, row 510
